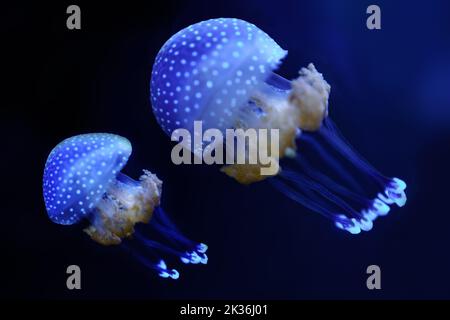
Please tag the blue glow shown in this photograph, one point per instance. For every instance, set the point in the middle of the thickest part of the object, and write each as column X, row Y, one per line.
column 185, row 260
column 211, row 71
column 174, row 274
column 381, row 208
column 82, row 179
column 337, row 181
column 202, row 248
column 366, row 224
column 207, row 70
column 78, row 171
column 162, row 265
column 204, row 259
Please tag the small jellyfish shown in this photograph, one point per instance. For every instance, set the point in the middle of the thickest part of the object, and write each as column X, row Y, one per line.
column 221, row 72
column 82, row 180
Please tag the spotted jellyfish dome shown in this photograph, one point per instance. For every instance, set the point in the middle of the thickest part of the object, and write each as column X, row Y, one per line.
column 208, row 70
column 78, row 172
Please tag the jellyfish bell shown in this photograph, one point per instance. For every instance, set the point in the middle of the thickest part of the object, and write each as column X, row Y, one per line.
column 82, row 180
column 221, row 72
column 202, row 72
column 216, row 71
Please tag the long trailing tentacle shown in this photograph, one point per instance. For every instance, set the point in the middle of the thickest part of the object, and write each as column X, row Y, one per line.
column 162, row 237
column 328, row 176
column 159, row 265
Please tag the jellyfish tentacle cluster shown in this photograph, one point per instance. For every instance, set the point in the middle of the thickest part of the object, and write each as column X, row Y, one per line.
column 320, row 175
column 221, row 72
column 83, row 180
column 125, row 203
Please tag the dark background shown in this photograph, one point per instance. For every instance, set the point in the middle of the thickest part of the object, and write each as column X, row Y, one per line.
column 390, row 96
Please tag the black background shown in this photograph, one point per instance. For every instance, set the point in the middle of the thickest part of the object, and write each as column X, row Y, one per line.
column 390, row 96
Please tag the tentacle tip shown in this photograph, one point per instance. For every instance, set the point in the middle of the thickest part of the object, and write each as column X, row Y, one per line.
column 165, row 273
column 399, row 183
column 195, row 258
column 381, row 208
column 204, row 259
column 339, row 225
column 191, row 257
column 162, row 265
column 369, row 215
column 202, row 248
column 395, row 191
column 385, row 198
column 399, row 198
column 354, row 230
column 185, row 260
column 402, row 200
column 366, row 225
column 174, row 274
column 353, row 226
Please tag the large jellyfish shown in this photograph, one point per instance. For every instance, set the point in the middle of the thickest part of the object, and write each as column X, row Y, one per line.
column 82, row 179
column 221, row 72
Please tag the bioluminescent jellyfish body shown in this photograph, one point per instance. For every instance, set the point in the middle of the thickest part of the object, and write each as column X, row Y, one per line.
column 82, row 180
column 221, row 72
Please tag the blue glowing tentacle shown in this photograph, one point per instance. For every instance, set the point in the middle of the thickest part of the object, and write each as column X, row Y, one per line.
column 371, row 208
column 328, row 123
column 193, row 252
column 393, row 188
column 353, row 226
column 167, row 228
column 161, row 220
column 160, row 266
column 325, row 180
column 309, row 189
column 337, row 140
column 355, row 221
column 164, row 218
column 315, row 196
column 157, row 245
column 186, row 257
column 335, row 165
column 178, row 238
column 385, row 199
column 308, row 202
column 188, row 250
column 395, row 191
column 304, row 182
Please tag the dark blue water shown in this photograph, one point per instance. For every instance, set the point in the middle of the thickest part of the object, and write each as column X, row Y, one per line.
column 390, row 96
